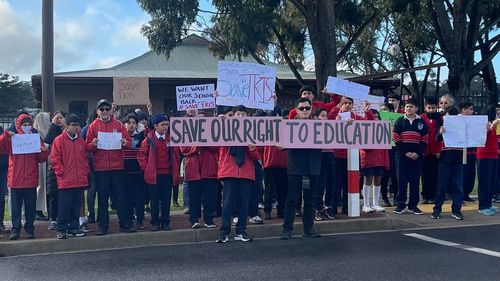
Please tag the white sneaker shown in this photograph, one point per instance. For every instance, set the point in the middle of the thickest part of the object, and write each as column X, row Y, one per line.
column 210, row 225
column 256, row 220
column 235, row 221
column 367, row 209
column 196, row 225
column 377, row 208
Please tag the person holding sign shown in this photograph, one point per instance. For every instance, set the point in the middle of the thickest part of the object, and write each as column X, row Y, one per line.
column 411, row 136
column 108, row 166
column 237, row 172
column 469, row 171
column 22, row 175
column 308, row 92
column 68, row 157
column 302, row 162
column 160, row 164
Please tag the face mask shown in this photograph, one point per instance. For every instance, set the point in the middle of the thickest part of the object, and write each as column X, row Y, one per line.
column 26, row 129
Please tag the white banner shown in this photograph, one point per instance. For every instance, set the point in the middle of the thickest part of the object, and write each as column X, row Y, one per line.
column 248, row 84
column 195, row 97
column 26, row 143
column 465, row 131
column 346, row 88
column 109, row 141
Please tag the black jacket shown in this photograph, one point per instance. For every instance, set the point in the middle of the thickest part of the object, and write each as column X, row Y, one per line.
column 304, row 162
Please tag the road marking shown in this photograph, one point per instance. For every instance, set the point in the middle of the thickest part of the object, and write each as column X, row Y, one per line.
column 455, row 245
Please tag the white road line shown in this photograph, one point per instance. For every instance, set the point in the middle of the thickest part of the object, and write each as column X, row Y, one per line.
column 455, row 245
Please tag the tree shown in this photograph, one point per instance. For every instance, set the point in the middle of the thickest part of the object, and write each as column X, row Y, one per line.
column 14, row 94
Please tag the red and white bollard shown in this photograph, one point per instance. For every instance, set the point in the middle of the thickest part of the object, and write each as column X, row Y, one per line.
column 353, row 182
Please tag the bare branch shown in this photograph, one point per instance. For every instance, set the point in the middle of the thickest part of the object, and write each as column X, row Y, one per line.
column 485, row 60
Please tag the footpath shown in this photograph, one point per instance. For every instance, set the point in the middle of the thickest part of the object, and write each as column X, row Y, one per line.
column 46, row 242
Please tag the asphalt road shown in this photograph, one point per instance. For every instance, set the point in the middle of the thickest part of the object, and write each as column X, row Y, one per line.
column 367, row 256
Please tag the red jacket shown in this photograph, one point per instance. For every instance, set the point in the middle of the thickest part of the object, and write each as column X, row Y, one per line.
column 147, row 159
column 434, row 146
column 374, row 158
column 332, row 115
column 275, row 158
column 229, row 169
column 69, row 162
column 106, row 160
column 23, row 168
column 490, row 149
column 317, row 104
column 201, row 162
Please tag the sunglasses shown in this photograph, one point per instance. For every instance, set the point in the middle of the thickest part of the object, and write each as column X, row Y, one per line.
column 304, row 108
column 105, row 109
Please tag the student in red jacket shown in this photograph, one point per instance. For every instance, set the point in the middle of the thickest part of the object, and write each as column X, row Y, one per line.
column 487, row 161
column 275, row 178
column 201, row 174
column 160, row 164
column 109, row 168
column 374, row 165
column 70, row 164
column 309, row 92
column 434, row 120
column 340, row 188
column 22, row 177
column 237, row 172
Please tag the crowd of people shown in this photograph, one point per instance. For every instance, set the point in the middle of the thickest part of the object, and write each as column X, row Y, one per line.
column 232, row 182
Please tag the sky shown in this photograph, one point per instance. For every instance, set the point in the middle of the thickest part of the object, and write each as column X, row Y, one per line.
column 88, row 34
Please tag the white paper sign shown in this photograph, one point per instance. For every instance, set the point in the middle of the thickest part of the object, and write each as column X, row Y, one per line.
column 345, row 116
column 465, row 131
column 195, row 97
column 248, row 84
column 346, row 88
column 109, row 141
column 358, row 106
column 26, row 143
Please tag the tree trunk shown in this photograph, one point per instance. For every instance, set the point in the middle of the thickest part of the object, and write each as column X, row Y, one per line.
column 490, row 81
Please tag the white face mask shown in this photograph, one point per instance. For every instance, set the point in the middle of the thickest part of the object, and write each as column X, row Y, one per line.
column 26, row 129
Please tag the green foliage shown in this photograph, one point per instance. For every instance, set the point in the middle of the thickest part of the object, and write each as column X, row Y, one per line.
column 14, row 94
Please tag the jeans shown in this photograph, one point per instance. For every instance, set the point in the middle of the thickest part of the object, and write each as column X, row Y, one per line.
column 294, row 192
column 235, row 191
column 449, row 178
column 161, row 194
column 19, row 196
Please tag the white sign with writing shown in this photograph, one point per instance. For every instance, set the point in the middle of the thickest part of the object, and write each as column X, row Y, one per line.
column 345, row 115
column 109, row 141
column 26, row 143
column 465, row 131
column 346, row 88
column 195, row 97
column 248, row 84
column 131, row 90
column 358, row 106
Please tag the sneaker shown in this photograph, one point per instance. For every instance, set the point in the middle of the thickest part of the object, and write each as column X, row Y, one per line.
column 457, row 216
column 311, row 234
column 52, row 225
column 286, row 235
column 30, row 235
column 235, row 221
column 399, row 210
column 386, row 203
column 378, row 209
column 210, row 225
column 196, row 225
column 3, row 228
column 496, row 198
column 367, row 209
column 494, row 209
column 155, row 227
column 39, row 216
column 139, row 225
column 127, row 229
column 298, row 213
column 243, row 237
column 223, row 238
column 61, row 235
column 417, row 211
column 318, row 216
column 267, row 216
column 84, row 228
column 487, row 212
column 14, row 236
column 77, row 233
column 330, row 214
column 468, row 199
column 256, row 220
column 435, row 215
column 166, row 227
column 102, row 232
column 261, row 206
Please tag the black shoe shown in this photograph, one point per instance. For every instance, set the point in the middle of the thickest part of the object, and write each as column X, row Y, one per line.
column 311, row 234
column 468, row 199
column 416, row 211
column 386, row 203
column 39, row 216
column 166, row 227
column 223, row 238
column 298, row 213
column 127, row 229
column 91, row 219
column 76, row 233
column 30, row 235
column 176, row 204
column 102, row 232
column 140, row 225
column 14, row 236
column 267, row 216
column 435, row 215
column 155, row 227
column 457, row 216
column 425, row 201
column 3, row 228
column 286, row 235
column 61, row 235
column 399, row 210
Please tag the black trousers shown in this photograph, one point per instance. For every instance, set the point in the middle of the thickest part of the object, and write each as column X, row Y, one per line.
column 256, row 196
column 487, row 179
column 340, row 186
column 111, row 182
column 18, row 197
column 135, row 194
column 295, row 191
column 91, row 194
column 236, row 195
column 430, row 177
column 53, row 204
column 161, row 194
column 70, row 203
column 469, row 175
column 326, row 183
column 202, row 192
column 3, row 192
column 390, row 180
column 275, row 180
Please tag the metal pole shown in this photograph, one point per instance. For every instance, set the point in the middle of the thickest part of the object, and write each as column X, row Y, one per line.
column 48, row 91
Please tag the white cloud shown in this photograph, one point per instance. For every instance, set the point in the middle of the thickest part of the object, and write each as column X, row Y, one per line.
column 108, row 62
column 130, row 31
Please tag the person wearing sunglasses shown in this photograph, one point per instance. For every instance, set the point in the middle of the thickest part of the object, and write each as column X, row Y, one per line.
column 109, row 168
column 446, row 101
column 308, row 92
column 302, row 162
